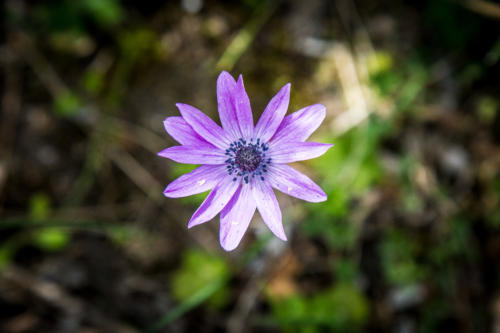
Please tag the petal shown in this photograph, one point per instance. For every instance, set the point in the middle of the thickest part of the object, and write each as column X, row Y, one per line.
column 201, row 179
column 182, row 132
column 204, row 126
column 299, row 125
column 227, row 112
column 297, row 151
column 194, row 154
column 292, row 182
column 273, row 114
column 243, row 109
column 268, row 207
column 214, row 202
column 235, row 218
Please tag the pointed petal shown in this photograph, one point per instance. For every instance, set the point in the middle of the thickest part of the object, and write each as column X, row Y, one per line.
column 227, row 111
column 201, row 179
column 182, row 132
column 206, row 154
column 214, row 202
column 299, row 125
column 243, row 109
column 292, row 182
column 297, row 151
column 268, row 207
column 235, row 218
column 273, row 114
column 204, row 126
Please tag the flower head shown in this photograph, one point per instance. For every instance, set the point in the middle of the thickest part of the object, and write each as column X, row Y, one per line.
column 242, row 163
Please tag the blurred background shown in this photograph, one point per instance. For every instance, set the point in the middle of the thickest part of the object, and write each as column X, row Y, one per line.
column 408, row 241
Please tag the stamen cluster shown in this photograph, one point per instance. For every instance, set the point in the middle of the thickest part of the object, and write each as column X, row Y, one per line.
column 247, row 159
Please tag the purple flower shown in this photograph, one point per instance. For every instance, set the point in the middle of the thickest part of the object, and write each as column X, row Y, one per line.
column 242, row 163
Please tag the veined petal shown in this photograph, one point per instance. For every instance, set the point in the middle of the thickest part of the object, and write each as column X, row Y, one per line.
column 235, row 218
column 206, row 154
column 214, row 202
column 297, row 151
column 204, row 126
column 268, row 207
column 227, row 111
column 201, row 179
column 243, row 109
column 273, row 114
column 294, row 183
column 299, row 125
column 182, row 132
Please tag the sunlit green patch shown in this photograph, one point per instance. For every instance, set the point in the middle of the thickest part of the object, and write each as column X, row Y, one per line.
column 199, row 269
column 343, row 308
column 51, row 239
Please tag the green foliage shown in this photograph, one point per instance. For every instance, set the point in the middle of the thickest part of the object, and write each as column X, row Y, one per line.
column 93, row 81
column 347, row 170
column 346, row 270
column 339, row 233
column 487, row 108
column 198, row 270
column 398, row 252
column 71, row 15
column 455, row 243
column 67, row 104
column 105, row 12
column 39, row 207
column 5, row 256
column 339, row 309
column 51, row 239
column 383, row 77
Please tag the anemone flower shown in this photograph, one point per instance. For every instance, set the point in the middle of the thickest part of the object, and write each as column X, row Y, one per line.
column 242, row 163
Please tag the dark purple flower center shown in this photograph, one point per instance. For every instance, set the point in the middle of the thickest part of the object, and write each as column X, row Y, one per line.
column 247, row 159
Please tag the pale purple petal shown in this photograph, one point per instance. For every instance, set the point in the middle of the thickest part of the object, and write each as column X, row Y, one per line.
column 214, row 202
column 297, row 151
column 201, row 179
column 243, row 109
column 273, row 114
column 299, row 125
column 194, row 154
column 235, row 218
column 227, row 111
column 294, row 183
column 268, row 207
column 182, row 132
column 204, row 126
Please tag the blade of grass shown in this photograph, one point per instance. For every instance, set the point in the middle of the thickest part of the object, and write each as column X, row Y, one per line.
column 198, row 298
column 246, row 35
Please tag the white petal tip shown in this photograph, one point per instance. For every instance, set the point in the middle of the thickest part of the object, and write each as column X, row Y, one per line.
column 282, row 237
column 228, row 248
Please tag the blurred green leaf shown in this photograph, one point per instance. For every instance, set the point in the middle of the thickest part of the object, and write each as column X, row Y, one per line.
column 342, row 308
column 487, row 108
column 93, row 81
column 346, row 270
column 39, row 208
column 51, row 239
column 105, row 12
column 5, row 256
column 67, row 103
column 199, row 269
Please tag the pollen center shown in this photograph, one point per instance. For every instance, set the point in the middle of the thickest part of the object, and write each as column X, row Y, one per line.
column 248, row 158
